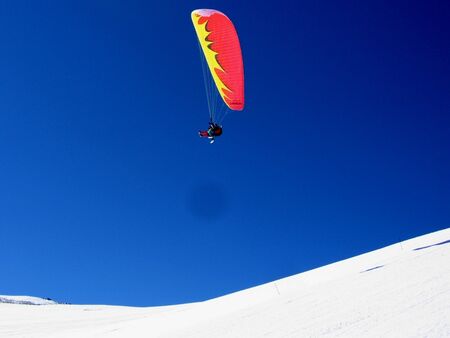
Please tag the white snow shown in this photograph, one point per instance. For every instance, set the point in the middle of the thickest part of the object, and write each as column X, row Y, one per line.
column 402, row 290
column 27, row 300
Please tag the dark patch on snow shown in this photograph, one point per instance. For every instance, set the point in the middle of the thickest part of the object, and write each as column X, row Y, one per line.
column 429, row 246
column 374, row 268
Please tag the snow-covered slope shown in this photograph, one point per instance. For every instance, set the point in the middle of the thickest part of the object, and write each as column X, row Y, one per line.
column 402, row 290
column 27, row 300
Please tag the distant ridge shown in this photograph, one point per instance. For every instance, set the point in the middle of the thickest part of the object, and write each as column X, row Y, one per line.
column 26, row 300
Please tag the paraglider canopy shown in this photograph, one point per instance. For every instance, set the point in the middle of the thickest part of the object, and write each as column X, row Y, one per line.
column 220, row 46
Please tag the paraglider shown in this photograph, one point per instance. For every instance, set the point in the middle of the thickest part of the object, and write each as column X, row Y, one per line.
column 223, row 68
column 213, row 130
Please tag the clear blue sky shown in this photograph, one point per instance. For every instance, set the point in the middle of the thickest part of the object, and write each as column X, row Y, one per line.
column 107, row 195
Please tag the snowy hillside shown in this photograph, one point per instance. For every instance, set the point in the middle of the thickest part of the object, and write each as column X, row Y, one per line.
column 402, row 290
column 26, row 300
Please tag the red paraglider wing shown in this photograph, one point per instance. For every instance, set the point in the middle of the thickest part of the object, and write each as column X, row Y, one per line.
column 222, row 50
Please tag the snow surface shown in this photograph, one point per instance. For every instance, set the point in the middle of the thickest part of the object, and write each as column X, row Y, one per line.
column 27, row 300
column 402, row 290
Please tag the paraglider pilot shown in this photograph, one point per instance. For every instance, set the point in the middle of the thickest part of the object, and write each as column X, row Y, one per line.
column 213, row 131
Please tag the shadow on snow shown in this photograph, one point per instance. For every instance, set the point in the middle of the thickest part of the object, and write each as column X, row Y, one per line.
column 374, row 268
column 429, row 246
